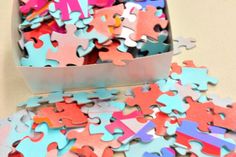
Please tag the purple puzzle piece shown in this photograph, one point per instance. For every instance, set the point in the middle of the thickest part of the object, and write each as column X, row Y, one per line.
column 166, row 152
column 142, row 134
column 188, row 131
column 156, row 3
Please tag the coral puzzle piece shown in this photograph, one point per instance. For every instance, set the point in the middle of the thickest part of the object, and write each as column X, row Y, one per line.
column 31, row 148
column 67, row 47
column 131, row 127
column 156, row 146
column 37, row 56
column 68, row 115
column 94, row 141
column 195, row 76
column 212, row 145
column 114, row 55
column 147, row 29
column 204, row 114
column 145, row 99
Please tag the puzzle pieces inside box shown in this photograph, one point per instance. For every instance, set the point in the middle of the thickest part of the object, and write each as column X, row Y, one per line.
column 211, row 144
column 94, row 141
column 156, row 3
column 145, row 99
column 131, row 127
column 37, row 56
column 148, row 28
column 32, row 5
column 114, row 55
column 68, row 115
column 67, row 47
column 31, row 148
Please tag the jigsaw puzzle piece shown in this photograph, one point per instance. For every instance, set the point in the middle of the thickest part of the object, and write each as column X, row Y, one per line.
column 195, row 76
column 131, row 127
column 32, row 5
column 49, row 136
column 145, row 100
column 94, row 141
column 155, row 3
column 156, row 146
column 55, row 97
column 158, row 47
column 188, row 43
column 145, row 30
column 67, row 50
column 115, row 56
column 68, row 115
column 104, row 94
column 224, row 117
column 166, row 84
column 172, row 103
column 211, row 145
column 37, row 56
column 32, row 102
column 165, row 152
column 67, row 6
column 222, row 102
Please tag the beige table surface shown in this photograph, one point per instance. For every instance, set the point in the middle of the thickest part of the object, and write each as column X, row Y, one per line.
column 211, row 22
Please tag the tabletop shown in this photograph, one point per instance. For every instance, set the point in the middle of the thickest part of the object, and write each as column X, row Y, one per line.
column 210, row 22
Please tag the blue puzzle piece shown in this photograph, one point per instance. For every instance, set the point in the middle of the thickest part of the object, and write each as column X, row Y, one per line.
column 37, row 56
column 55, row 97
column 31, row 102
column 166, row 152
column 39, row 149
column 155, row 146
column 195, row 76
column 172, row 103
column 82, row 98
column 166, row 85
column 82, row 52
column 155, row 3
column 104, row 94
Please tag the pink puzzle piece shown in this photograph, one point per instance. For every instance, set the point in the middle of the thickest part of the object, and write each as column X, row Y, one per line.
column 131, row 127
column 67, row 47
column 101, row 3
column 32, row 4
column 146, row 29
column 74, row 5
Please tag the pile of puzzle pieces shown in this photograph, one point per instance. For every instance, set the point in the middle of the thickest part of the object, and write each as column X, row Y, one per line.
column 59, row 33
column 172, row 117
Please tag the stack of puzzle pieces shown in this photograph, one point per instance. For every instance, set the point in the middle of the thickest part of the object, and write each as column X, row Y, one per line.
column 59, row 33
column 172, row 117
